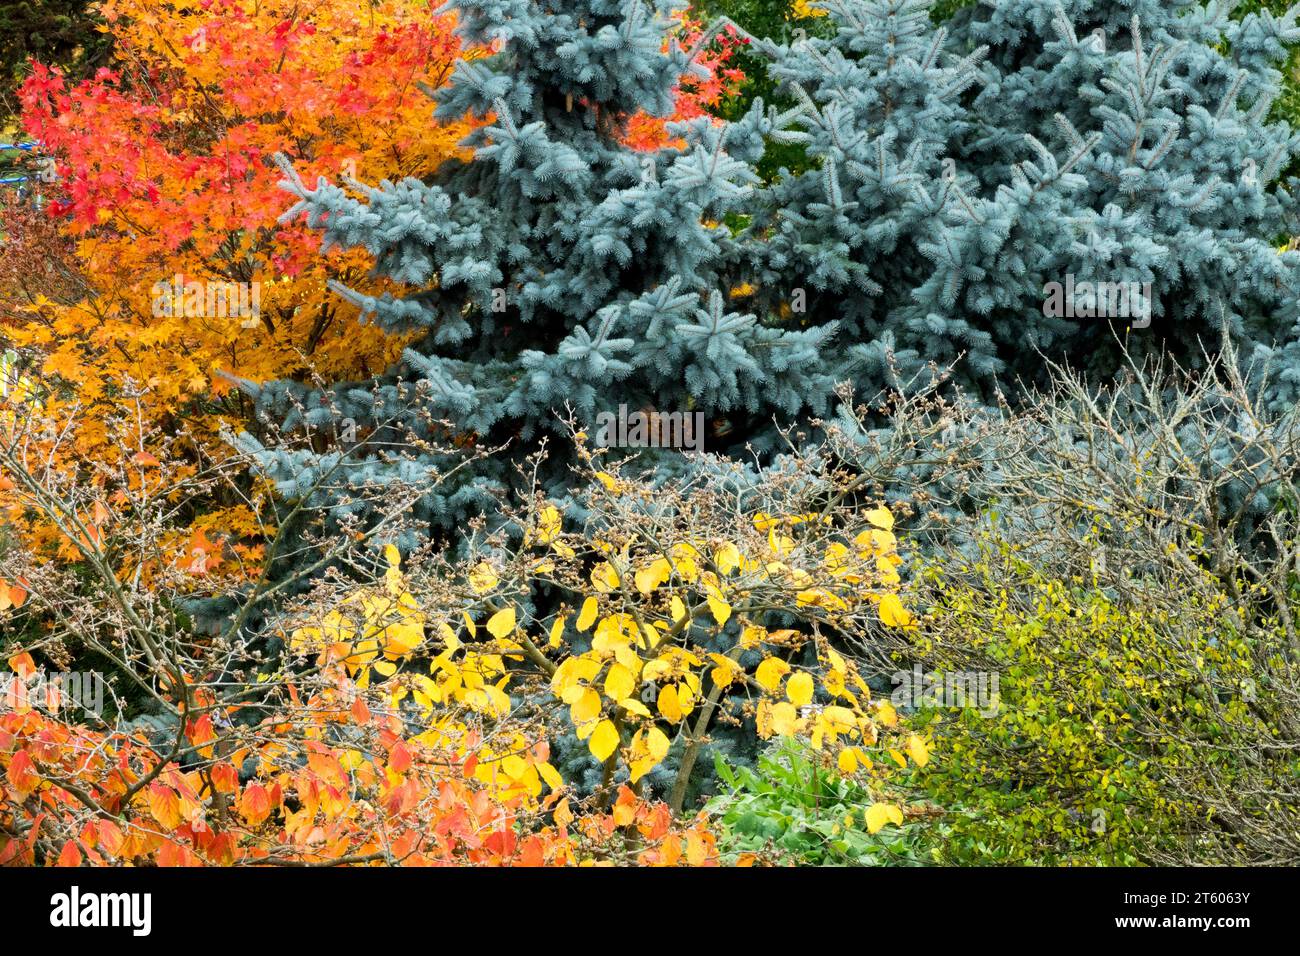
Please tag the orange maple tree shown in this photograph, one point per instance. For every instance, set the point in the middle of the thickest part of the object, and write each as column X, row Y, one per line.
column 165, row 162
column 694, row 96
column 166, row 174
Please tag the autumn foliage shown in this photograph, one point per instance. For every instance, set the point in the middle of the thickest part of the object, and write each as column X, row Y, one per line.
column 391, row 734
column 694, row 96
column 412, row 713
column 164, row 162
column 72, row 795
column 470, row 635
column 166, row 183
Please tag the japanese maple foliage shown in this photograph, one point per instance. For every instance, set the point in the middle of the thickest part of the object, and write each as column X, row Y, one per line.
column 694, row 96
column 164, row 163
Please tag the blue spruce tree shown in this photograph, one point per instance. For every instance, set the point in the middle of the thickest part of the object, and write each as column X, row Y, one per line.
column 558, row 268
column 1038, row 178
column 1044, row 178
column 1026, row 183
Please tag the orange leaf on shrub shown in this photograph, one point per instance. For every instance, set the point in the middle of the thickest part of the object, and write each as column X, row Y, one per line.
column 70, row 856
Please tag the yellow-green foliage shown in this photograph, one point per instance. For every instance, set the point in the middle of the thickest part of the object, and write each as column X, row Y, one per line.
column 1106, row 710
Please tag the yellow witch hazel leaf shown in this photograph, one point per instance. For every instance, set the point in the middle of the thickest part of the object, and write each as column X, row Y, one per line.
column 647, row 751
column 557, row 630
column 677, row 608
column 785, row 719
column 568, row 677
column 892, row 612
column 780, row 719
column 657, row 743
column 604, row 740
column 881, row 518
column 917, row 750
column 685, row 558
column 404, row 635
column 836, row 558
column 804, row 9
column 726, row 672
column 770, row 672
column 727, row 558
column 849, row 759
column 880, row 541
column 721, row 609
column 393, row 575
column 612, row 633
column 483, row 578
column 551, row 776
column 548, row 524
column 604, row 578
column 586, row 708
column 781, row 544
column 878, row 814
column 653, row 575
column 886, row 713
column 502, row 623
column 619, row 682
column 800, row 689
column 563, row 815
column 449, row 637
column 669, row 705
column 587, row 616
column 634, row 706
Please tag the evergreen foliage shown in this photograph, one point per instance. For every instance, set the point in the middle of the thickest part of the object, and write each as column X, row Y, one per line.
column 54, row 32
column 954, row 175
column 558, row 267
column 1117, row 143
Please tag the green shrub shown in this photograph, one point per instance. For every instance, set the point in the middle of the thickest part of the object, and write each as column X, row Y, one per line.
column 796, row 808
column 1123, row 733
